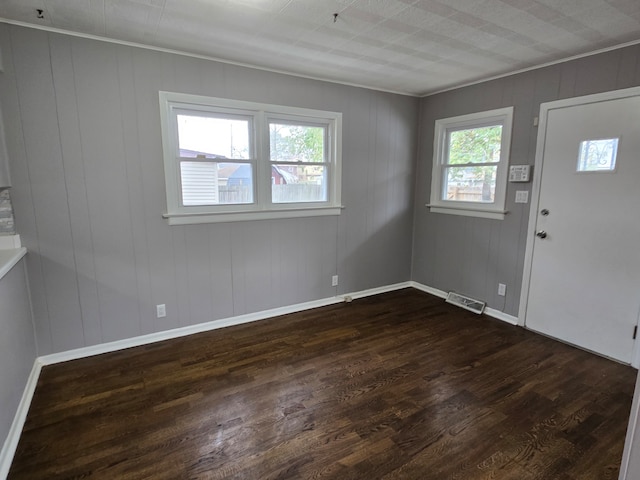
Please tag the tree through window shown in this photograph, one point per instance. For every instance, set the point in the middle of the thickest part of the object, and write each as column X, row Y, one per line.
column 229, row 160
column 470, row 164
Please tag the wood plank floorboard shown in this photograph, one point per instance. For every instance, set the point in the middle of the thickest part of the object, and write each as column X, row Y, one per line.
column 395, row 386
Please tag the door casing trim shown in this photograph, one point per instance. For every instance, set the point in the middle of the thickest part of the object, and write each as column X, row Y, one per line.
column 545, row 108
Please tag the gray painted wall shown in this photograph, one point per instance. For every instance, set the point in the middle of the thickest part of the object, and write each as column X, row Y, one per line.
column 82, row 127
column 17, row 346
column 5, row 179
column 473, row 255
column 83, row 135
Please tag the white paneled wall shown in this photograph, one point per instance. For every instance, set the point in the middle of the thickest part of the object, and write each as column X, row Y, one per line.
column 83, row 135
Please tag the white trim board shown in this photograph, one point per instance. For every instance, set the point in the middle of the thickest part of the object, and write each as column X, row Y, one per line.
column 11, row 443
column 208, row 326
column 211, row 58
column 490, row 312
column 13, row 437
column 626, row 472
column 311, row 77
column 242, row 319
column 534, row 67
column 537, row 183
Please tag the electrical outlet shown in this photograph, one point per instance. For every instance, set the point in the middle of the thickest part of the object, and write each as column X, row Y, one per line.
column 502, row 289
column 161, row 310
column 334, row 281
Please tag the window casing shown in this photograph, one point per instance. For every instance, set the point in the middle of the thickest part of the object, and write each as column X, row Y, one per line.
column 470, row 164
column 228, row 160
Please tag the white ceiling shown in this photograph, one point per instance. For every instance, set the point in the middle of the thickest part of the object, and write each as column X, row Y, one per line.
column 408, row 46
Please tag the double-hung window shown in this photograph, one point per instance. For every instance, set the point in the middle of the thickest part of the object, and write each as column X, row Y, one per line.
column 228, row 160
column 470, row 162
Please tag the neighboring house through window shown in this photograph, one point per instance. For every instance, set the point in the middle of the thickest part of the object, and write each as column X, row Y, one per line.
column 470, row 162
column 229, row 160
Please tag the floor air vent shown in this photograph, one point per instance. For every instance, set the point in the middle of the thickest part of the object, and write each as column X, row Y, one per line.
column 468, row 303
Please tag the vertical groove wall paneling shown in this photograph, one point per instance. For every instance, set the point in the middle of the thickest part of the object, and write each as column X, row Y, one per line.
column 21, row 193
column 72, row 156
column 50, row 202
column 89, row 181
column 148, row 80
column 135, row 187
column 102, row 135
column 441, row 241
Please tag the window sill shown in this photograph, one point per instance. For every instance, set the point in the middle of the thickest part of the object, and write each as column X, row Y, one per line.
column 195, row 218
column 469, row 212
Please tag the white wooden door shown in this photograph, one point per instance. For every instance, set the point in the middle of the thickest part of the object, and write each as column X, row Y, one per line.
column 584, row 250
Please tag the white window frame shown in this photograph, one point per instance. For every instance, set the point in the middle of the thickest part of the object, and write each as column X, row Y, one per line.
column 494, row 210
column 260, row 115
column 315, row 122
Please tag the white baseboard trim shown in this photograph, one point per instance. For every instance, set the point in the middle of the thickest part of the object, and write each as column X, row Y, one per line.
column 433, row 291
column 207, row 326
column 11, row 442
column 182, row 331
column 491, row 312
column 497, row 314
column 376, row 291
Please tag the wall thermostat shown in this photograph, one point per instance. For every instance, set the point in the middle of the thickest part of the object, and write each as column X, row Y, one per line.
column 519, row 173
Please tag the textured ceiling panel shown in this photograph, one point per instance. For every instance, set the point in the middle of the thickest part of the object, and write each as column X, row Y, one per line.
column 379, row 9
column 408, row 46
column 74, row 14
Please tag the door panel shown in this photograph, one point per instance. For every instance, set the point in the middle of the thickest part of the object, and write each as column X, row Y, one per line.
column 585, row 274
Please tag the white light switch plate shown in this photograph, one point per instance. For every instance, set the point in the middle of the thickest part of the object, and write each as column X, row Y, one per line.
column 522, row 196
column 519, row 173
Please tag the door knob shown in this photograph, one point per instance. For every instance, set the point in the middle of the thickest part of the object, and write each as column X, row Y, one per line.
column 541, row 234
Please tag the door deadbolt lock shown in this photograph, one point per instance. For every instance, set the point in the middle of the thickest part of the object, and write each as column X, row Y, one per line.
column 541, row 234
column 544, row 212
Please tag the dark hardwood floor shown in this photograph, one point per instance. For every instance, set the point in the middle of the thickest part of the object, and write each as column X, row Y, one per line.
column 397, row 386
